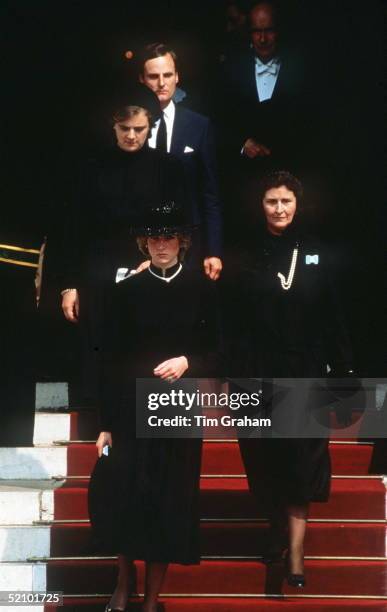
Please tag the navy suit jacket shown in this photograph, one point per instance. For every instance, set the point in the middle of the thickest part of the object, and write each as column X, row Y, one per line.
column 193, row 143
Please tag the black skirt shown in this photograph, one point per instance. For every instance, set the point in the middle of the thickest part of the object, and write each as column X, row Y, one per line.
column 144, row 500
column 283, row 472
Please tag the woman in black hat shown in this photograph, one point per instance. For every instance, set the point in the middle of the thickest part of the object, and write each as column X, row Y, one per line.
column 162, row 323
column 115, row 188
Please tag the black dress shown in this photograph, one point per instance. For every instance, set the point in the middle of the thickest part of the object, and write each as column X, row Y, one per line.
column 289, row 333
column 144, row 497
column 113, row 191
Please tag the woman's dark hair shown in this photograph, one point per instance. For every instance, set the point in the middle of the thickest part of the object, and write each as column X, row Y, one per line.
column 278, row 179
column 127, row 112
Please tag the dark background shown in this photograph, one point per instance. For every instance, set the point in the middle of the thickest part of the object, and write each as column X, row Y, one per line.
column 61, row 59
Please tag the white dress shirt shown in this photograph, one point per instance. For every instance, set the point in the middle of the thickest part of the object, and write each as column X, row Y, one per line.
column 266, row 77
column 169, row 117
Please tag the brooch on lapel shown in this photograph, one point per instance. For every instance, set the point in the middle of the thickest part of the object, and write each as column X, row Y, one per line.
column 311, row 259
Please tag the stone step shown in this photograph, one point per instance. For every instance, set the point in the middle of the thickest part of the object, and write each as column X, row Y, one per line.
column 53, row 427
column 39, row 463
column 223, row 458
column 227, row 576
column 52, row 396
column 24, row 502
column 19, row 543
column 23, row 577
column 324, row 538
column 50, row 427
column 78, row 459
column 247, row 538
column 225, row 498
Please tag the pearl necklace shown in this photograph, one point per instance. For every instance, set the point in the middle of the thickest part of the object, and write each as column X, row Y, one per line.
column 167, row 279
column 286, row 283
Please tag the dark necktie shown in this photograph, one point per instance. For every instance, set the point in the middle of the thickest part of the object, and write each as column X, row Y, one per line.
column 161, row 138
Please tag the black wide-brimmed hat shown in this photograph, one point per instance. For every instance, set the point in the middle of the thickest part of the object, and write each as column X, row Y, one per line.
column 137, row 94
column 167, row 218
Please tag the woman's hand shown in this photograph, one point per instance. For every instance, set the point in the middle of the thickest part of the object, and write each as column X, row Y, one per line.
column 172, row 369
column 104, row 438
column 70, row 305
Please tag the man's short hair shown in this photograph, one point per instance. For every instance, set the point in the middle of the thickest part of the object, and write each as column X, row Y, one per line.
column 155, row 50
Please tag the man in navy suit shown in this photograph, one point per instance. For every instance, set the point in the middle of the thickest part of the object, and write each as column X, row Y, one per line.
column 188, row 136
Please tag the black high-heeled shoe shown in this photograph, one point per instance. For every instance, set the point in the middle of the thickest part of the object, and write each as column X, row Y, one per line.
column 294, row 580
column 109, row 609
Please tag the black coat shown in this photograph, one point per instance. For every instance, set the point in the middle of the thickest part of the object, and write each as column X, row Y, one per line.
column 292, row 333
column 144, row 497
column 295, row 332
column 148, row 321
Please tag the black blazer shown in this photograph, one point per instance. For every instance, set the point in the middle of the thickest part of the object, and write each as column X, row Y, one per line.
column 193, row 143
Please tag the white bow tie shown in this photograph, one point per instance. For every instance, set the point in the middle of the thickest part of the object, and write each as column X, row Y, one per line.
column 268, row 68
column 311, row 259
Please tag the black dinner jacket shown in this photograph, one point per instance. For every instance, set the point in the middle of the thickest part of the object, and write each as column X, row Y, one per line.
column 240, row 82
column 193, row 143
column 285, row 123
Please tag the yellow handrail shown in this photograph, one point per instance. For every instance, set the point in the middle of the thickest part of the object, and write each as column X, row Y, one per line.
column 19, row 263
column 20, row 249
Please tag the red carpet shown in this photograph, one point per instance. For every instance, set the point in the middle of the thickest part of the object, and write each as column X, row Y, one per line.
column 231, row 577
column 235, row 604
column 230, row 498
column 227, row 577
column 222, row 458
column 230, row 539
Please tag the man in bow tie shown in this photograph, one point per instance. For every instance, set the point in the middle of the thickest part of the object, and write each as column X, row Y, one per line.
column 264, row 42
column 266, row 116
column 266, row 82
column 188, row 136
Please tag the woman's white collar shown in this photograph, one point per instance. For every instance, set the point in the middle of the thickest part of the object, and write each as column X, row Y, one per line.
column 167, row 279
